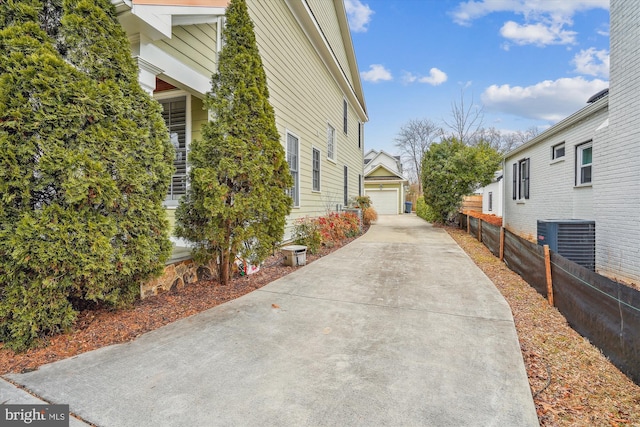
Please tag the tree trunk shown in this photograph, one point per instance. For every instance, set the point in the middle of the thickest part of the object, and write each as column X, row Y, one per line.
column 223, row 277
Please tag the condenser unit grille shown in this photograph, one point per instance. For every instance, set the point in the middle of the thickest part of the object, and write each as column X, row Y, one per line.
column 573, row 239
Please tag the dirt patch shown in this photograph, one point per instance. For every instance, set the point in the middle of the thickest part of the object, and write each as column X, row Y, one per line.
column 572, row 382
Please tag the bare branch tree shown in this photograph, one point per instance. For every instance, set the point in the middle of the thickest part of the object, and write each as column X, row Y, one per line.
column 465, row 120
column 414, row 139
column 503, row 141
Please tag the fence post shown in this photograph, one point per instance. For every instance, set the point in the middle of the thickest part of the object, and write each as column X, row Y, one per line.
column 501, row 244
column 468, row 225
column 547, row 266
column 479, row 230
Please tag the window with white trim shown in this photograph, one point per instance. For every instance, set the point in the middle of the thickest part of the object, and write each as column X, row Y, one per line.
column 174, row 113
column 331, row 142
column 521, row 172
column 557, row 151
column 584, row 158
column 490, row 200
column 315, row 168
column 293, row 147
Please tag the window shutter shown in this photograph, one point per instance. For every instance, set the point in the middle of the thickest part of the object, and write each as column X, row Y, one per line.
column 526, row 179
column 515, row 181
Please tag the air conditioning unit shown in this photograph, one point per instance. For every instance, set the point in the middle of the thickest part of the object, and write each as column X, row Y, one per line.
column 574, row 239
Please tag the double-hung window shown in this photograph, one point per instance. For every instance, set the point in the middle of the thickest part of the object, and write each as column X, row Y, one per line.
column 584, row 159
column 521, row 172
column 315, row 167
column 293, row 160
column 331, row 143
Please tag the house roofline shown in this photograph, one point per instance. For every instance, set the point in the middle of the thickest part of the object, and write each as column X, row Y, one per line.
column 380, row 165
column 579, row 115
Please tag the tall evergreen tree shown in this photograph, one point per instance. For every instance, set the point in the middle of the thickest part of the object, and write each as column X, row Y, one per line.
column 236, row 204
column 85, row 161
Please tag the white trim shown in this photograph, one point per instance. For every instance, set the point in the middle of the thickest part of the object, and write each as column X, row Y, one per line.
column 176, row 70
column 377, row 190
column 579, row 150
column 562, row 144
column 162, row 18
column 177, row 93
column 147, row 73
column 287, row 132
column 319, row 190
column 561, row 125
column 334, row 149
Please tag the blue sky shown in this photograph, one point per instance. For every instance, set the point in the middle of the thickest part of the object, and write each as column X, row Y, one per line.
column 525, row 62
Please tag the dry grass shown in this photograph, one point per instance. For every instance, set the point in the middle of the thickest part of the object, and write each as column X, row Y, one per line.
column 573, row 383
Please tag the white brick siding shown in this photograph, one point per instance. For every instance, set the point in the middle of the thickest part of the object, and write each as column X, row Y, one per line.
column 552, row 190
column 617, row 183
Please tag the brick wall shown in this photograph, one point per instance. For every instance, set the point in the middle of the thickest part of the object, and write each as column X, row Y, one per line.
column 552, row 190
column 617, row 154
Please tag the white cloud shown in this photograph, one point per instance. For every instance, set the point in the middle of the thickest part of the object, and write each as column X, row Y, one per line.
column 558, row 10
column 550, row 100
column 592, row 62
column 538, row 34
column 544, row 21
column 376, row 73
column 359, row 15
column 436, row 77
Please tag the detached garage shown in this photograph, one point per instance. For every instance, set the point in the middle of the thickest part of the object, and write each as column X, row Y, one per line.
column 384, row 182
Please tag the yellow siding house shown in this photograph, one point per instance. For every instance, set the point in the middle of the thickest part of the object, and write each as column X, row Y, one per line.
column 312, row 76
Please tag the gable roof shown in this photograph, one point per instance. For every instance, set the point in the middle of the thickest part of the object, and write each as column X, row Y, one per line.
column 393, row 175
column 382, row 159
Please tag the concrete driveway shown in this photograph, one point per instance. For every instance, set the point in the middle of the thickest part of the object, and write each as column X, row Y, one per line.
column 398, row 328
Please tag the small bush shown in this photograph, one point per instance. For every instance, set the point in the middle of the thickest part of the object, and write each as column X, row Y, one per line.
column 363, row 202
column 369, row 215
column 425, row 211
column 325, row 230
column 306, row 231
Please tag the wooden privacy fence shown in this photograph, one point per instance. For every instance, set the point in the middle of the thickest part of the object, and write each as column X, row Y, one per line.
column 602, row 310
column 472, row 203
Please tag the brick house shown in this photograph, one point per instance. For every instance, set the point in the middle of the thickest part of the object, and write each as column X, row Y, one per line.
column 587, row 166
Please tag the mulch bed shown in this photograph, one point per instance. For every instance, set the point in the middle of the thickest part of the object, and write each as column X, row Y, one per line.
column 102, row 327
column 572, row 382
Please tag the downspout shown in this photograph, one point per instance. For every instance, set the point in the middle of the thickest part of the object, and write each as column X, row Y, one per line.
column 504, row 190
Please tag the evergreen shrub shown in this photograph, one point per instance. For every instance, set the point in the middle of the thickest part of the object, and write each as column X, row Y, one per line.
column 85, row 162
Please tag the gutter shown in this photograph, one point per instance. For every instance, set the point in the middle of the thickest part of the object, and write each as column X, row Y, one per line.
column 561, row 125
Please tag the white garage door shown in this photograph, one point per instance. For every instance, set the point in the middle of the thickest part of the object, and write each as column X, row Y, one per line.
column 385, row 202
